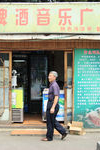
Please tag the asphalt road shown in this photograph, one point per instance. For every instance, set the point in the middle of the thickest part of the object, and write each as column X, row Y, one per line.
column 72, row 142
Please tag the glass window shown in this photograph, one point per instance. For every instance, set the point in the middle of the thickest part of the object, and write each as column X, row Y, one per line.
column 4, row 86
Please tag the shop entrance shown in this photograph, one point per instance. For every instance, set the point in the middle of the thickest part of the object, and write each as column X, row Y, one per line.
column 31, row 69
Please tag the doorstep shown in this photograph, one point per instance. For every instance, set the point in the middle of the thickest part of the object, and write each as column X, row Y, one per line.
column 24, row 125
column 15, row 126
column 35, row 125
column 41, row 132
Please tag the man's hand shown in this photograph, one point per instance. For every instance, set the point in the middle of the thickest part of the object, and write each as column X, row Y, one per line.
column 52, row 110
column 54, row 105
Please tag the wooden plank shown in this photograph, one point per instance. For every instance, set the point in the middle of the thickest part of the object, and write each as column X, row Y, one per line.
column 31, row 132
column 48, row 45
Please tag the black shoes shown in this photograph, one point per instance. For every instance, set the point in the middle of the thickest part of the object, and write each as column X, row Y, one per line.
column 63, row 136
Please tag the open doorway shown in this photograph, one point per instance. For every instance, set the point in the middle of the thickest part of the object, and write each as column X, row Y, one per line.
column 32, row 68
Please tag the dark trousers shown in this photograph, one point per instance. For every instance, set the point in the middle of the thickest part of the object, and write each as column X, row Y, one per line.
column 53, row 123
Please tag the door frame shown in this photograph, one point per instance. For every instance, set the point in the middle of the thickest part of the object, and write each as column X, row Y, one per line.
column 10, row 83
column 65, row 84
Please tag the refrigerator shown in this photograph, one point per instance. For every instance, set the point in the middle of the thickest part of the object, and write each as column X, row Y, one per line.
column 60, row 115
column 17, row 105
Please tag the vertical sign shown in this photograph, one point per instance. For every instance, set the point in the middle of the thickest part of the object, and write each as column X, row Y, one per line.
column 87, row 87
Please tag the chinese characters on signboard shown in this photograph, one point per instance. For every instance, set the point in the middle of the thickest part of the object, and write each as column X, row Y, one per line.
column 52, row 18
column 87, row 87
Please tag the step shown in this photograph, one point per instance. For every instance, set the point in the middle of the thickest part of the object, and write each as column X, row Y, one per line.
column 31, row 132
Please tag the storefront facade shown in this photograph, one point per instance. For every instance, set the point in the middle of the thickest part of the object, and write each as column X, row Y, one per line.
column 65, row 54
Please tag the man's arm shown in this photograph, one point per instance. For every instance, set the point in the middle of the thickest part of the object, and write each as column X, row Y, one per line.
column 54, row 105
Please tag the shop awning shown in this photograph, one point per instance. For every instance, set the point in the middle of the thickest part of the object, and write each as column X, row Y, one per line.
column 47, row 37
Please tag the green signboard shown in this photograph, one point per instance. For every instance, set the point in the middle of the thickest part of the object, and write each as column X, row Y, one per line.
column 87, row 87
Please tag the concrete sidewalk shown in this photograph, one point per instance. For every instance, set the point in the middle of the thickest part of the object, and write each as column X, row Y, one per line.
column 72, row 142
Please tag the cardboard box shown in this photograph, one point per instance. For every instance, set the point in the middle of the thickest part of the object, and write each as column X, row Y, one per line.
column 77, row 124
column 76, row 128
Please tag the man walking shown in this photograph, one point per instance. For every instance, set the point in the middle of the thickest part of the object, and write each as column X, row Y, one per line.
column 53, row 108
